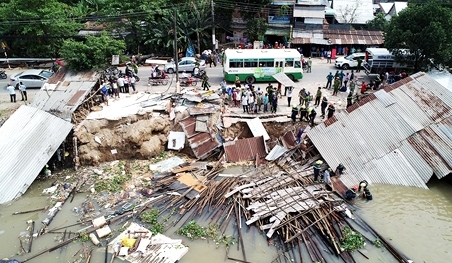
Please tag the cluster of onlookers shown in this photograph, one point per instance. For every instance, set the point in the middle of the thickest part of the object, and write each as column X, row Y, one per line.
column 117, row 84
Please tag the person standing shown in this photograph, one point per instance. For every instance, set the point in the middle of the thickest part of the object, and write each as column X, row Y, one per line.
column 294, row 114
column 349, row 99
column 336, row 84
column 301, row 96
column 340, row 170
column 352, row 85
column 346, row 79
column 329, row 81
column 274, row 103
column 331, row 109
column 251, row 102
column 307, row 99
column 133, row 80
column 323, row 106
column 328, row 57
column 318, row 96
column 360, row 62
column 270, row 91
column 23, row 91
column 12, row 92
column 326, row 176
column 265, row 102
column 115, row 88
column 245, row 103
column 105, row 94
column 299, row 134
column 303, row 113
column 309, row 65
column 237, row 81
column 289, row 96
column 234, row 97
column 341, row 77
column 363, row 87
column 352, row 75
column 312, row 114
column 126, row 84
column 120, row 83
column 317, row 168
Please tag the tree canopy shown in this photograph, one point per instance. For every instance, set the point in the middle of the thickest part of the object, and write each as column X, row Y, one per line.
column 425, row 31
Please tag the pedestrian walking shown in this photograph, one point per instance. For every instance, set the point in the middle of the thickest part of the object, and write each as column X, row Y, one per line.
column 289, row 96
column 331, row 109
column 318, row 96
column 205, row 82
column 329, row 81
column 23, row 91
column 323, row 106
column 12, row 92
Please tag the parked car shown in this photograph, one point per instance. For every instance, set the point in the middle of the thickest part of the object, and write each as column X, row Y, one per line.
column 350, row 61
column 186, row 64
column 33, row 78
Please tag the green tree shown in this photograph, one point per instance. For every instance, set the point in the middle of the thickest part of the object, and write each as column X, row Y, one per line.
column 378, row 23
column 93, row 53
column 256, row 28
column 36, row 28
column 425, row 31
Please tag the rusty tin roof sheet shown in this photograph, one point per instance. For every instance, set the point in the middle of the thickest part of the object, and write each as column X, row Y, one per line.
column 245, row 149
column 288, row 140
column 202, row 143
column 343, row 37
column 400, row 141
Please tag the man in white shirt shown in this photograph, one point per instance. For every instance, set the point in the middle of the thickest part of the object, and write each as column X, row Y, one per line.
column 12, row 92
column 196, row 72
column 184, row 75
column 23, row 91
column 121, row 84
column 132, row 83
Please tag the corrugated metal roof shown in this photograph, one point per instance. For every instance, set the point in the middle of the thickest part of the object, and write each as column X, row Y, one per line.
column 29, row 139
column 257, row 128
column 245, row 149
column 309, row 11
column 338, row 37
column 64, row 100
column 383, row 141
column 202, row 143
column 275, row 153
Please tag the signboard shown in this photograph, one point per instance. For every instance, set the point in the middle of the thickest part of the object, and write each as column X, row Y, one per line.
column 266, row 72
column 279, row 19
column 115, row 60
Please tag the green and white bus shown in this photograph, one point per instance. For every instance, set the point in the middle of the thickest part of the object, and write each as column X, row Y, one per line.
column 258, row 65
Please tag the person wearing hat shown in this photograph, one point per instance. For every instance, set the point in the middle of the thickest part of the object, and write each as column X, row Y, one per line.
column 363, row 185
column 323, row 106
column 303, row 113
column 317, row 168
column 331, row 109
column 307, row 99
column 336, row 85
column 294, row 114
column 312, row 114
column 329, row 81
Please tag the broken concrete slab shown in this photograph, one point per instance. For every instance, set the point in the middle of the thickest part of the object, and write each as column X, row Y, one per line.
column 176, row 140
column 257, row 129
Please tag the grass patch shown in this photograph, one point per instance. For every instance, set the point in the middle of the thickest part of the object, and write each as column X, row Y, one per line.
column 151, row 217
column 113, row 184
column 351, row 239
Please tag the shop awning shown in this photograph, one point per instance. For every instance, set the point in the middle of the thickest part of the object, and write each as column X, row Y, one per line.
column 283, row 79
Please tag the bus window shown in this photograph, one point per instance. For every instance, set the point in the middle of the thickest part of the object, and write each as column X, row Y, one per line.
column 278, row 64
column 266, row 62
column 289, row 62
column 297, row 64
column 236, row 63
column 250, row 63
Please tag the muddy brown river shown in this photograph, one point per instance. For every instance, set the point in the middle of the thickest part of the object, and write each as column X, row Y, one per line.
column 417, row 222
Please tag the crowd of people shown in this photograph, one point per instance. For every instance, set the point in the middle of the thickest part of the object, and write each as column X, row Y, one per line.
column 116, row 84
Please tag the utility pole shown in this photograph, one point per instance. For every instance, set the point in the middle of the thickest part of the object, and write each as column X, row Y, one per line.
column 176, row 59
column 213, row 26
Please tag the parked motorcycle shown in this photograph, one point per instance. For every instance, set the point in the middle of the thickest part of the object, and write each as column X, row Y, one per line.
column 3, row 74
column 157, row 81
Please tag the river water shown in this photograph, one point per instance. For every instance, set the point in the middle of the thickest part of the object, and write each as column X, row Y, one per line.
column 417, row 222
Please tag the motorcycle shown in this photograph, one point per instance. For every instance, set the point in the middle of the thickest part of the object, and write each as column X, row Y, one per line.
column 3, row 74
column 157, row 81
column 188, row 81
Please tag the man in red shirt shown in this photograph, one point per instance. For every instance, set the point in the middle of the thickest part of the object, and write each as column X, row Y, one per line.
column 363, row 87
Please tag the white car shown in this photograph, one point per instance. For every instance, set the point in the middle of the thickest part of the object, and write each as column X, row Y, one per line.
column 186, row 64
column 350, row 61
column 32, row 78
